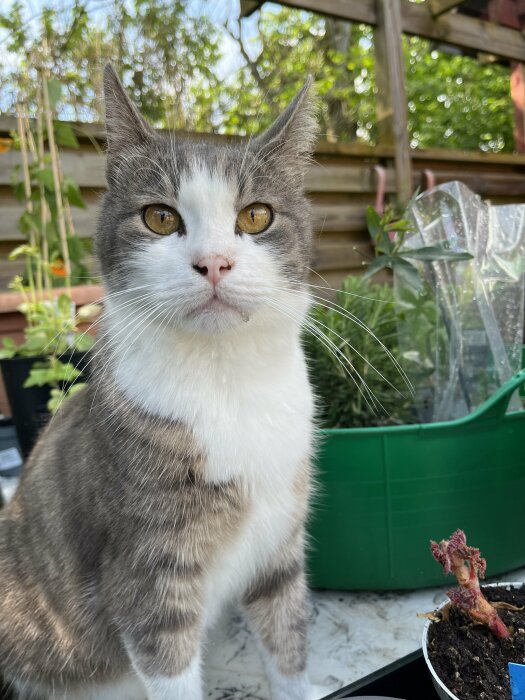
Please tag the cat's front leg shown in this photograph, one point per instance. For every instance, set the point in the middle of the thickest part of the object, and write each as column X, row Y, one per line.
column 276, row 607
column 159, row 614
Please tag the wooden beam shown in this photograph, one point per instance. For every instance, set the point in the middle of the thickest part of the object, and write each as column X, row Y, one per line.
column 353, row 10
column 461, row 30
column 248, row 7
column 417, row 19
column 439, row 7
column 391, row 104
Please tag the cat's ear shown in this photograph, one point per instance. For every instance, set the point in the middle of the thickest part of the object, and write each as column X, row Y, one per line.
column 293, row 134
column 125, row 126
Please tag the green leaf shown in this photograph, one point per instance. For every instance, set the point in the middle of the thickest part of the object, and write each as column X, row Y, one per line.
column 38, row 377
column 65, row 135
column 400, row 225
column 30, row 250
column 65, row 371
column 408, row 273
column 435, row 252
column 72, row 192
column 65, row 305
column 373, row 223
column 76, row 249
column 9, row 349
column 378, row 264
column 54, row 89
column 76, row 388
column 29, row 222
column 57, row 396
column 45, row 176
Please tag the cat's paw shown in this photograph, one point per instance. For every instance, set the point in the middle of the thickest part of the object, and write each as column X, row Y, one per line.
column 292, row 688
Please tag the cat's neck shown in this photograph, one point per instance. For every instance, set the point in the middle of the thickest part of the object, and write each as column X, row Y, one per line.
column 157, row 366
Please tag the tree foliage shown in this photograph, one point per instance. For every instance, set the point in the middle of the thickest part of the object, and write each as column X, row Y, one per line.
column 170, row 59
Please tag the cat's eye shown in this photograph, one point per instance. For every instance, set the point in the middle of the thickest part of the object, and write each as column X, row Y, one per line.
column 255, row 218
column 161, row 219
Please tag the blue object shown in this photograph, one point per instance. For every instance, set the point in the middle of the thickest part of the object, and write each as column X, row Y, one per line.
column 517, row 681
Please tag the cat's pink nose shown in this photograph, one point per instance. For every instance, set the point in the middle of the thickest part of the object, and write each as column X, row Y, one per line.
column 214, row 267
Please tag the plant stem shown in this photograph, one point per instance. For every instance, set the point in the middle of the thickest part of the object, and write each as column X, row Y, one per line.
column 28, row 200
column 44, row 218
column 57, row 183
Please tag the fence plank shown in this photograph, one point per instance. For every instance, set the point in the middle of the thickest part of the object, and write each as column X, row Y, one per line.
column 392, row 112
column 84, row 219
column 86, row 168
column 453, row 28
column 439, row 7
column 345, row 178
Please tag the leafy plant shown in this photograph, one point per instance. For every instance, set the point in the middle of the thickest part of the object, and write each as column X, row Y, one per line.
column 467, row 565
column 352, row 345
column 389, row 232
column 52, row 254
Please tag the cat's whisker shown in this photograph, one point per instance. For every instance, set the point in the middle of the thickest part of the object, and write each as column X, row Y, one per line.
column 327, row 303
column 100, row 349
column 96, row 321
column 341, row 291
column 132, row 323
column 335, row 351
column 346, row 342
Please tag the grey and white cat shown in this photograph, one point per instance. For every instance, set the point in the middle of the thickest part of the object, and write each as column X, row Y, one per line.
column 178, row 480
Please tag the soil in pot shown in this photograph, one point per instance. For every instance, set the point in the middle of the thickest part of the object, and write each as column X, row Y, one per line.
column 469, row 659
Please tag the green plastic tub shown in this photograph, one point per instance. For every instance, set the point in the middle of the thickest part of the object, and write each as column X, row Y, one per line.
column 385, row 492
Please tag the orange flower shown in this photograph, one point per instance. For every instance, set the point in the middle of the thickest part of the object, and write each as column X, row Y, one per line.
column 58, row 268
column 5, row 144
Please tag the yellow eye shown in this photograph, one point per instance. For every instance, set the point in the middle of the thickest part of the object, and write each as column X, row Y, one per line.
column 255, row 218
column 162, row 220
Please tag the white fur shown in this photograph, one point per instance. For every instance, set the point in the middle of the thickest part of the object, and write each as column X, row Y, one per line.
column 243, row 390
column 126, row 688
column 285, row 687
column 185, row 686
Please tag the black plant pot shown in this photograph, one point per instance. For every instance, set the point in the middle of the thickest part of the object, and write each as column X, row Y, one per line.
column 29, row 406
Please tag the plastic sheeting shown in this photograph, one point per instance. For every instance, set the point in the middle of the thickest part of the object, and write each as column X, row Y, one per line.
column 461, row 337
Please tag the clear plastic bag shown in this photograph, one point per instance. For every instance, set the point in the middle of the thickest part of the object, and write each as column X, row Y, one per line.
column 462, row 336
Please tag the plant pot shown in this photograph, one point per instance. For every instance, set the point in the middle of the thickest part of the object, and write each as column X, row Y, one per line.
column 29, row 405
column 443, row 692
column 385, row 492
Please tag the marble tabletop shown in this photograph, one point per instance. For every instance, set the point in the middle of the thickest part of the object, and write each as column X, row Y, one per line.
column 351, row 634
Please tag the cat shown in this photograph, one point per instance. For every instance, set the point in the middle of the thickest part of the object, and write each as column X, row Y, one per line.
column 179, row 479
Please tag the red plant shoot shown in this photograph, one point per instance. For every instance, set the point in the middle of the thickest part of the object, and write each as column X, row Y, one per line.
column 466, row 564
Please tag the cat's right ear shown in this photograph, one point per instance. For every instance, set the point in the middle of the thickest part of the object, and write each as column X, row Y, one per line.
column 125, row 127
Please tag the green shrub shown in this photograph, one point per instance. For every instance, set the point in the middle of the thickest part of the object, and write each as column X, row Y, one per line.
column 356, row 381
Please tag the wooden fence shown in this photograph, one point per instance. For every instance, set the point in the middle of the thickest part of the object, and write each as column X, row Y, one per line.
column 342, row 183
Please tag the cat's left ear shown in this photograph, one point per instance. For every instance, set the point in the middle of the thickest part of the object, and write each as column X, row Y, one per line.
column 125, row 126
column 294, row 133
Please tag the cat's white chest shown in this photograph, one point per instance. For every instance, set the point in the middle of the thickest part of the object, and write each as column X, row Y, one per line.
column 250, row 414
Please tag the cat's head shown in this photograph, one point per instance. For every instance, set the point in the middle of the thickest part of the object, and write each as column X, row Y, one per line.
column 210, row 233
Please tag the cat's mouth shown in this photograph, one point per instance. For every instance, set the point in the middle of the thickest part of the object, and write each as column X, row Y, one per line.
column 217, row 305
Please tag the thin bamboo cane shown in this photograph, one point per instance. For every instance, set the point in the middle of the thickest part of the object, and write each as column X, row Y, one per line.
column 53, row 151
column 28, row 200
column 37, row 234
column 44, row 210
